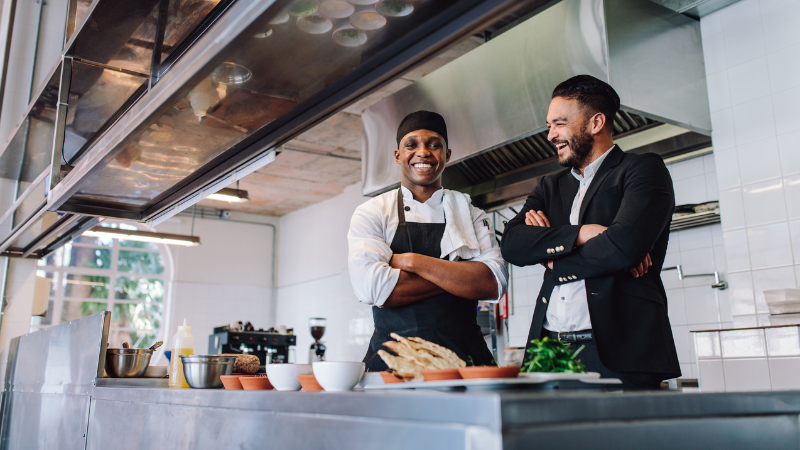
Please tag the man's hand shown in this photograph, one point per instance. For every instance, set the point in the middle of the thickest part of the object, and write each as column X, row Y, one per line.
column 403, row 261
column 537, row 219
column 643, row 267
column 588, row 232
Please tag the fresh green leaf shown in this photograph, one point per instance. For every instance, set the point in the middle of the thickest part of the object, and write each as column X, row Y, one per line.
column 547, row 355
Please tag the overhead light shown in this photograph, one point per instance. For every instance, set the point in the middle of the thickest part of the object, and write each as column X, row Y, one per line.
column 143, row 236
column 230, row 195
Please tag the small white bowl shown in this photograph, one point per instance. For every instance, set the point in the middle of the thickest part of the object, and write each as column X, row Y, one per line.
column 338, row 376
column 283, row 377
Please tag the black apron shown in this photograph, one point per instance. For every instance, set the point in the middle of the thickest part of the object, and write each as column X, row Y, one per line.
column 445, row 319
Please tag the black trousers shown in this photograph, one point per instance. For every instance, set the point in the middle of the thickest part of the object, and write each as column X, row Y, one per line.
column 630, row 380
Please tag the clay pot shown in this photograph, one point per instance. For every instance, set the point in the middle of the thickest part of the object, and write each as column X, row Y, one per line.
column 232, row 381
column 489, row 372
column 389, row 377
column 441, row 374
column 255, row 383
column 309, row 382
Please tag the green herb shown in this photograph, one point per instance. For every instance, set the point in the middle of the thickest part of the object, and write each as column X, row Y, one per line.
column 470, row 362
column 302, row 8
column 395, row 6
column 350, row 34
column 552, row 356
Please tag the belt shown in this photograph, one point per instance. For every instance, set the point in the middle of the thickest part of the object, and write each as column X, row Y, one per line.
column 572, row 337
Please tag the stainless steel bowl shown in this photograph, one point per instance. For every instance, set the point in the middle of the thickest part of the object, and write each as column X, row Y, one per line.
column 127, row 362
column 204, row 371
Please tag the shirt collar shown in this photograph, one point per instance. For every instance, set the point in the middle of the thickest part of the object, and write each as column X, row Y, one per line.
column 435, row 200
column 591, row 169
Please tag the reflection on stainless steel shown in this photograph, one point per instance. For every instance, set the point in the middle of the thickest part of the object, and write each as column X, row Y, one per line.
column 394, row 8
column 500, row 91
column 368, row 21
column 302, row 8
column 127, row 362
column 267, row 32
column 349, row 37
column 231, row 73
column 204, row 371
column 336, row 9
column 314, row 24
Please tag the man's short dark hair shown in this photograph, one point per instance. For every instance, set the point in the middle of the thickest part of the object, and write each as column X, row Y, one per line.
column 595, row 96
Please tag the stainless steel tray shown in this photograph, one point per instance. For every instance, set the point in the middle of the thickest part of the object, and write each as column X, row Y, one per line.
column 503, row 384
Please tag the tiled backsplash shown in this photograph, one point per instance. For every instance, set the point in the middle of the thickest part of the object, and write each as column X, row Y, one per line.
column 755, row 359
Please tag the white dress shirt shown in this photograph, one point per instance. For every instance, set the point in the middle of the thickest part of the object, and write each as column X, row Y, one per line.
column 372, row 230
column 568, row 308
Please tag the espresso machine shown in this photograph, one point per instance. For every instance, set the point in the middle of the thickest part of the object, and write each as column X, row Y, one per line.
column 317, row 350
column 271, row 346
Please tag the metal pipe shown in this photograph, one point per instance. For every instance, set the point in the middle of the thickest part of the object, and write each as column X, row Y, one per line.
column 718, row 283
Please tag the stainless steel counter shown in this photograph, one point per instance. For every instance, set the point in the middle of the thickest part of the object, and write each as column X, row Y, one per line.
column 45, row 407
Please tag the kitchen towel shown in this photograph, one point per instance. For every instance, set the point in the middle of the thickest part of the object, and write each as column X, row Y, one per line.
column 459, row 240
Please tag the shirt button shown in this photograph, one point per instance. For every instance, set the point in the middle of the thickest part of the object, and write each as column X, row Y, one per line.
column 544, row 300
column 407, row 208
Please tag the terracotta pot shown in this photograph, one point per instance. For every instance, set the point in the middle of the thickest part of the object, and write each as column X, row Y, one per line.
column 389, row 377
column 489, row 372
column 309, row 382
column 255, row 383
column 232, row 381
column 441, row 374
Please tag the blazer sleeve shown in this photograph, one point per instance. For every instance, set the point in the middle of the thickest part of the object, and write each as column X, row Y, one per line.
column 525, row 245
column 646, row 209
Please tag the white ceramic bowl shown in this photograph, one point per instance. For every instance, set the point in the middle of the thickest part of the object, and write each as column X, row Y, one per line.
column 338, row 376
column 283, row 377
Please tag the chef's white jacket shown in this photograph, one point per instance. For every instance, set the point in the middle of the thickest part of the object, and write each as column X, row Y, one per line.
column 372, row 229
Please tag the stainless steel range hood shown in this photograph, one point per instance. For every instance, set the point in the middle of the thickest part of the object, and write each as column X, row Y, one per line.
column 498, row 94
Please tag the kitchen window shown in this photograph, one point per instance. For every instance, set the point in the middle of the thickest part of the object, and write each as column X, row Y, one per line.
column 94, row 274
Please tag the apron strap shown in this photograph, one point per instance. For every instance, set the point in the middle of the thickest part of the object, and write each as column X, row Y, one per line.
column 401, row 215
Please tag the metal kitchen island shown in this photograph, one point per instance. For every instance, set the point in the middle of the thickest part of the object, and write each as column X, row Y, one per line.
column 53, row 398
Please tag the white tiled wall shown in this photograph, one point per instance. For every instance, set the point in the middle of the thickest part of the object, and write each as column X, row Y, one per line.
column 752, row 52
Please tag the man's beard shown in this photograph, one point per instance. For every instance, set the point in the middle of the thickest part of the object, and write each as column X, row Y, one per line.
column 580, row 147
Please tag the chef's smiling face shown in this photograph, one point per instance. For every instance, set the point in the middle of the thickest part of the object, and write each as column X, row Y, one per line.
column 422, row 156
column 570, row 131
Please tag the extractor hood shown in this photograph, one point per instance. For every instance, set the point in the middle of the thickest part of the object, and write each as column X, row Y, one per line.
column 495, row 98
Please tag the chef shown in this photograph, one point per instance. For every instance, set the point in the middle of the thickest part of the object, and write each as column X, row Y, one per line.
column 423, row 256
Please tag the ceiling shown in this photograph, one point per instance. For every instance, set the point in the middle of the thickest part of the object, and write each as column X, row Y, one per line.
column 321, row 162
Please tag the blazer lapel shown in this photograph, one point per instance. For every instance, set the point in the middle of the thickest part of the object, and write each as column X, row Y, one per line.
column 612, row 160
column 568, row 186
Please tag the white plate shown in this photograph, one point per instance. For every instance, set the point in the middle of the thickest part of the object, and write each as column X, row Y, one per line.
column 549, row 376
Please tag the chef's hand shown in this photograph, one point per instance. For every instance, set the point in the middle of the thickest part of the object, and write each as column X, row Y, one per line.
column 588, row 232
column 536, row 218
column 643, row 267
column 403, row 261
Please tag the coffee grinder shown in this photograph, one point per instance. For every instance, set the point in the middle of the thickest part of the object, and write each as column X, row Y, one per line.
column 317, row 350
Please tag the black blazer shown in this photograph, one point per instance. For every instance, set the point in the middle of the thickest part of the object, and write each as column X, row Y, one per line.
column 632, row 195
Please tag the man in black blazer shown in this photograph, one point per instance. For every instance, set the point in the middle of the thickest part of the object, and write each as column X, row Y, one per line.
column 601, row 228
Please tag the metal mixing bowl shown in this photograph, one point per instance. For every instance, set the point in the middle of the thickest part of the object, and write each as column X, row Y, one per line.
column 204, row 371
column 127, row 362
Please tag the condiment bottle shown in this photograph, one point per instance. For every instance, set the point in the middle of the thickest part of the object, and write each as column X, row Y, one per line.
column 182, row 344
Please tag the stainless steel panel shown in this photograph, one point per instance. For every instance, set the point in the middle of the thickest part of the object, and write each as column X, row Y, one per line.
column 656, row 63
column 495, row 93
column 46, row 421
column 63, row 359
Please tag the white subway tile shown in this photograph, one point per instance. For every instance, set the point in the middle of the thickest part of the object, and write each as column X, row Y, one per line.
column 720, row 259
column 711, row 375
column 740, row 292
column 691, row 190
column 786, row 107
column 763, row 320
column 712, row 186
column 695, row 238
column 709, row 163
column 789, row 150
column 783, row 341
column 754, row 121
column 784, row 67
column 714, row 53
column 783, row 373
column 707, row 345
column 698, row 262
column 686, row 370
column 722, row 129
column 711, row 24
column 764, row 203
column 727, row 161
column 739, row 13
column 769, row 6
column 794, row 231
column 701, row 305
column 743, row 343
column 744, row 43
column 731, row 209
column 746, row 374
column 791, row 188
column 759, row 161
column 719, row 91
column 748, row 321
column 737, row 250
column 716, row 235
column 767, row 279
column 724, row 299
column 687, row 169
column 747, row 82
column 676, row 307
column 768, row 245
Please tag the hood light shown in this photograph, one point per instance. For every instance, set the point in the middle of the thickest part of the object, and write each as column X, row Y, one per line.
column 230, row 195
column 143, row 236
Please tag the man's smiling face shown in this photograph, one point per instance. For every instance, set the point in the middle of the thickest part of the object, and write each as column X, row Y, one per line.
column 422, row 156
column 569, row 131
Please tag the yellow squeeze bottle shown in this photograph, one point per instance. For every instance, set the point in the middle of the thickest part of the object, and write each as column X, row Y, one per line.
column 182, row 344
